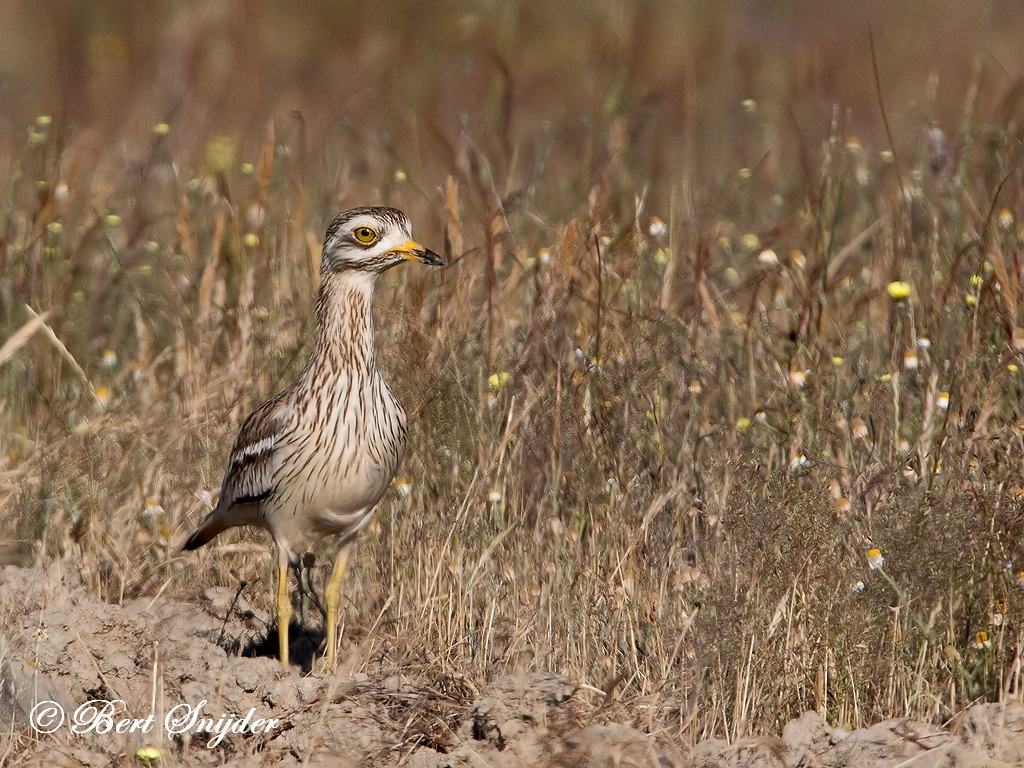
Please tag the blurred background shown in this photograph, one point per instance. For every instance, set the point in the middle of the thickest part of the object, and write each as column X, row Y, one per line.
column 388, row 85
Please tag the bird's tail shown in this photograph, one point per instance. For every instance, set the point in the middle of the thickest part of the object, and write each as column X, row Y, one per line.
column 214, row 524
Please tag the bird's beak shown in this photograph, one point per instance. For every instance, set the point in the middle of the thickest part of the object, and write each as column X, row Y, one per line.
column 413, row 251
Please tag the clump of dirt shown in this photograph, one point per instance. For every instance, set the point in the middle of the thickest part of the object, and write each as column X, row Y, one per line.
column 178, row 661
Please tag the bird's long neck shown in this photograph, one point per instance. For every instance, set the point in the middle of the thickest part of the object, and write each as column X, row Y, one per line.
column 344, row 322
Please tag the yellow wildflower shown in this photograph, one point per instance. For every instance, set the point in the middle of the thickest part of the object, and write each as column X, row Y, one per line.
column 899, row 290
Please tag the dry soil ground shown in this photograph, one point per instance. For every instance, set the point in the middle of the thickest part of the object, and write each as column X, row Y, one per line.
column 59, row 643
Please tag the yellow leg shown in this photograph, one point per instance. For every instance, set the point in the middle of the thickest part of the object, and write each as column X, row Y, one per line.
column 284, row 607
column 333, row 596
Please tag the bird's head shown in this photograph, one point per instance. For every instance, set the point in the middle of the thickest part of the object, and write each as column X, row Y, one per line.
column 371, row 240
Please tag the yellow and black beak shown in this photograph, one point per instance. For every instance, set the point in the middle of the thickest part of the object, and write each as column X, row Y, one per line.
column 413, row 251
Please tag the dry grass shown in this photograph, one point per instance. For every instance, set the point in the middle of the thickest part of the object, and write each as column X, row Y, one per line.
column 652, row 459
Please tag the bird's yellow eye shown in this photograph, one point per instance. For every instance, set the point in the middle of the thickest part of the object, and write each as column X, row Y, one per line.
column 365, row 235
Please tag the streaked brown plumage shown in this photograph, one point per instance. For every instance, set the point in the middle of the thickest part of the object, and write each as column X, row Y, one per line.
column 315, row 459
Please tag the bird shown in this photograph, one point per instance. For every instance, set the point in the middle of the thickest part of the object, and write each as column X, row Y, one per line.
column 314, row 460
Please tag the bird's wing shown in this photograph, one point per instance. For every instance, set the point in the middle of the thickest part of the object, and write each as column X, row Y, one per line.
column 250, row 474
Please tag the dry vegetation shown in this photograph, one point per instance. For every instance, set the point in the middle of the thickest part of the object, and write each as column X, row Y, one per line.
column 664, row 401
